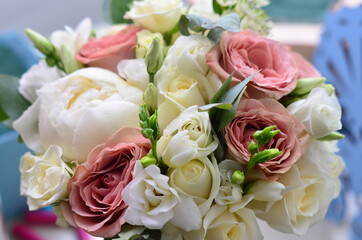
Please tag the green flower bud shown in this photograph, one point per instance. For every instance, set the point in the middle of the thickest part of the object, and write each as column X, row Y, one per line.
column 238, row 177
column 154, row 56
column 147, row 133
column 150, row 97
column 40, row 42
column 305, row 85
column 332, row 136
column 51, row 61
column 143, row 115
column 148, row 160
column 266, row 155
column 69, row 62
column 154, row 125
column 329, row 89
column 144, row 40
column 253, row 148
column 265, row 135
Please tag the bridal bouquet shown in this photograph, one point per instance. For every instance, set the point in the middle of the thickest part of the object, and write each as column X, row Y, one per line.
column 175, row 123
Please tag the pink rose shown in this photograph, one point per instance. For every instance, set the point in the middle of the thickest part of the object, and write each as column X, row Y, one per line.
column 305, row 68
column 95, row 200
column 253, row 115
column 107, row 52
column 246, row 53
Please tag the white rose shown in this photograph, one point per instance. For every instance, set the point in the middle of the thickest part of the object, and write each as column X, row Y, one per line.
column 180, row 89
column 189, row 53
column 153, row 203
column 79, row 111
column 222, row 224
column 198, row 179
column 134, row 71
column 156, row 15
column 72, row 39
column 310, row 187
column 188, row 136
column 319, row 112
column 37, row 76
column 44, row 178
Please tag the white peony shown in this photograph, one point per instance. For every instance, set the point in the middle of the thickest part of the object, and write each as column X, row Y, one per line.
column 37, row 76
column 198, row 179
column 189, row 53
column 187, row 137
column 310, row 187
column 156, row 15
column 153, row 203
column 78, row 112
column 319, row 112
column 44, row 178
column 134, row 71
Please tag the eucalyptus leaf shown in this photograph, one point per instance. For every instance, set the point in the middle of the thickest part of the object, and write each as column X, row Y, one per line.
column 12, row 104
column 215, row 34
column 230, row 22
column 114, row 10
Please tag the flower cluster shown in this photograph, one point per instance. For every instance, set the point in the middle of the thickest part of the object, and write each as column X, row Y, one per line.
column 177, row 126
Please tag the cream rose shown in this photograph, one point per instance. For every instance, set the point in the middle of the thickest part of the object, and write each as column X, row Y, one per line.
column 156, row 15
column 37, row 76
column 44, row 178
column 188, row 136
column 310, row 187
column 319, row 112
column 198, row 179
column 180, row 89
column 222, row 224
column 152, row 202
column 189, row 53
column 79, row 112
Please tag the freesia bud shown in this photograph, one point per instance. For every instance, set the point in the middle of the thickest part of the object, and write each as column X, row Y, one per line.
column 40, row 42
column 144, row 40
column 265, row 135
column 253, row 147
column 266, row 155
column 148, row 160
column 238, row 177
column 69, row 62
column 332, row 136
column 329, row 89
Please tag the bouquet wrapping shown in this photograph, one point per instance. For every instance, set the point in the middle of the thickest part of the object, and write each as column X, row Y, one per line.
column 178, row 123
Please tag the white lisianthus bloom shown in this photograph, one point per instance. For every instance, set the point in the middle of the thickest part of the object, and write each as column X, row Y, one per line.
column 310, row 187
column 134, row 71
column 37, row 76
column 78, row 112
column 319, row 112
column 152, row 202
column 44, row 178
column 222, row 224
column 187, row 137
column 156, row 15
column 189, row 53
column 72, row 39
column 198, row 179
column 204, row 9
column 180, row 89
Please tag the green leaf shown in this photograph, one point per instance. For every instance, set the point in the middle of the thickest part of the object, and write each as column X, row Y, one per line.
column 215, row 105
column 219, row 94
column 114, row 10
column 230, row 22
column 217, row 7
column 12, row 104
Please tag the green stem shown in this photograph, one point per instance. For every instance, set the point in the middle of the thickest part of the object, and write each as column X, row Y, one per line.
column 152, row 78
column 154, row 150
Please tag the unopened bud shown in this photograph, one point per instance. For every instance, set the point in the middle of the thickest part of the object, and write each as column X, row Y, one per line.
column 154, row 56
column 148, row 160
column 144, row 40
column 150, row 97
column 329, row 89
column 69, row 62
column 332, row 136
column 253, row 147
column 305, row 85
column 238, row 177
column 40, row 42
column 147, row 133
column 264, row 136
column 266, row 155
